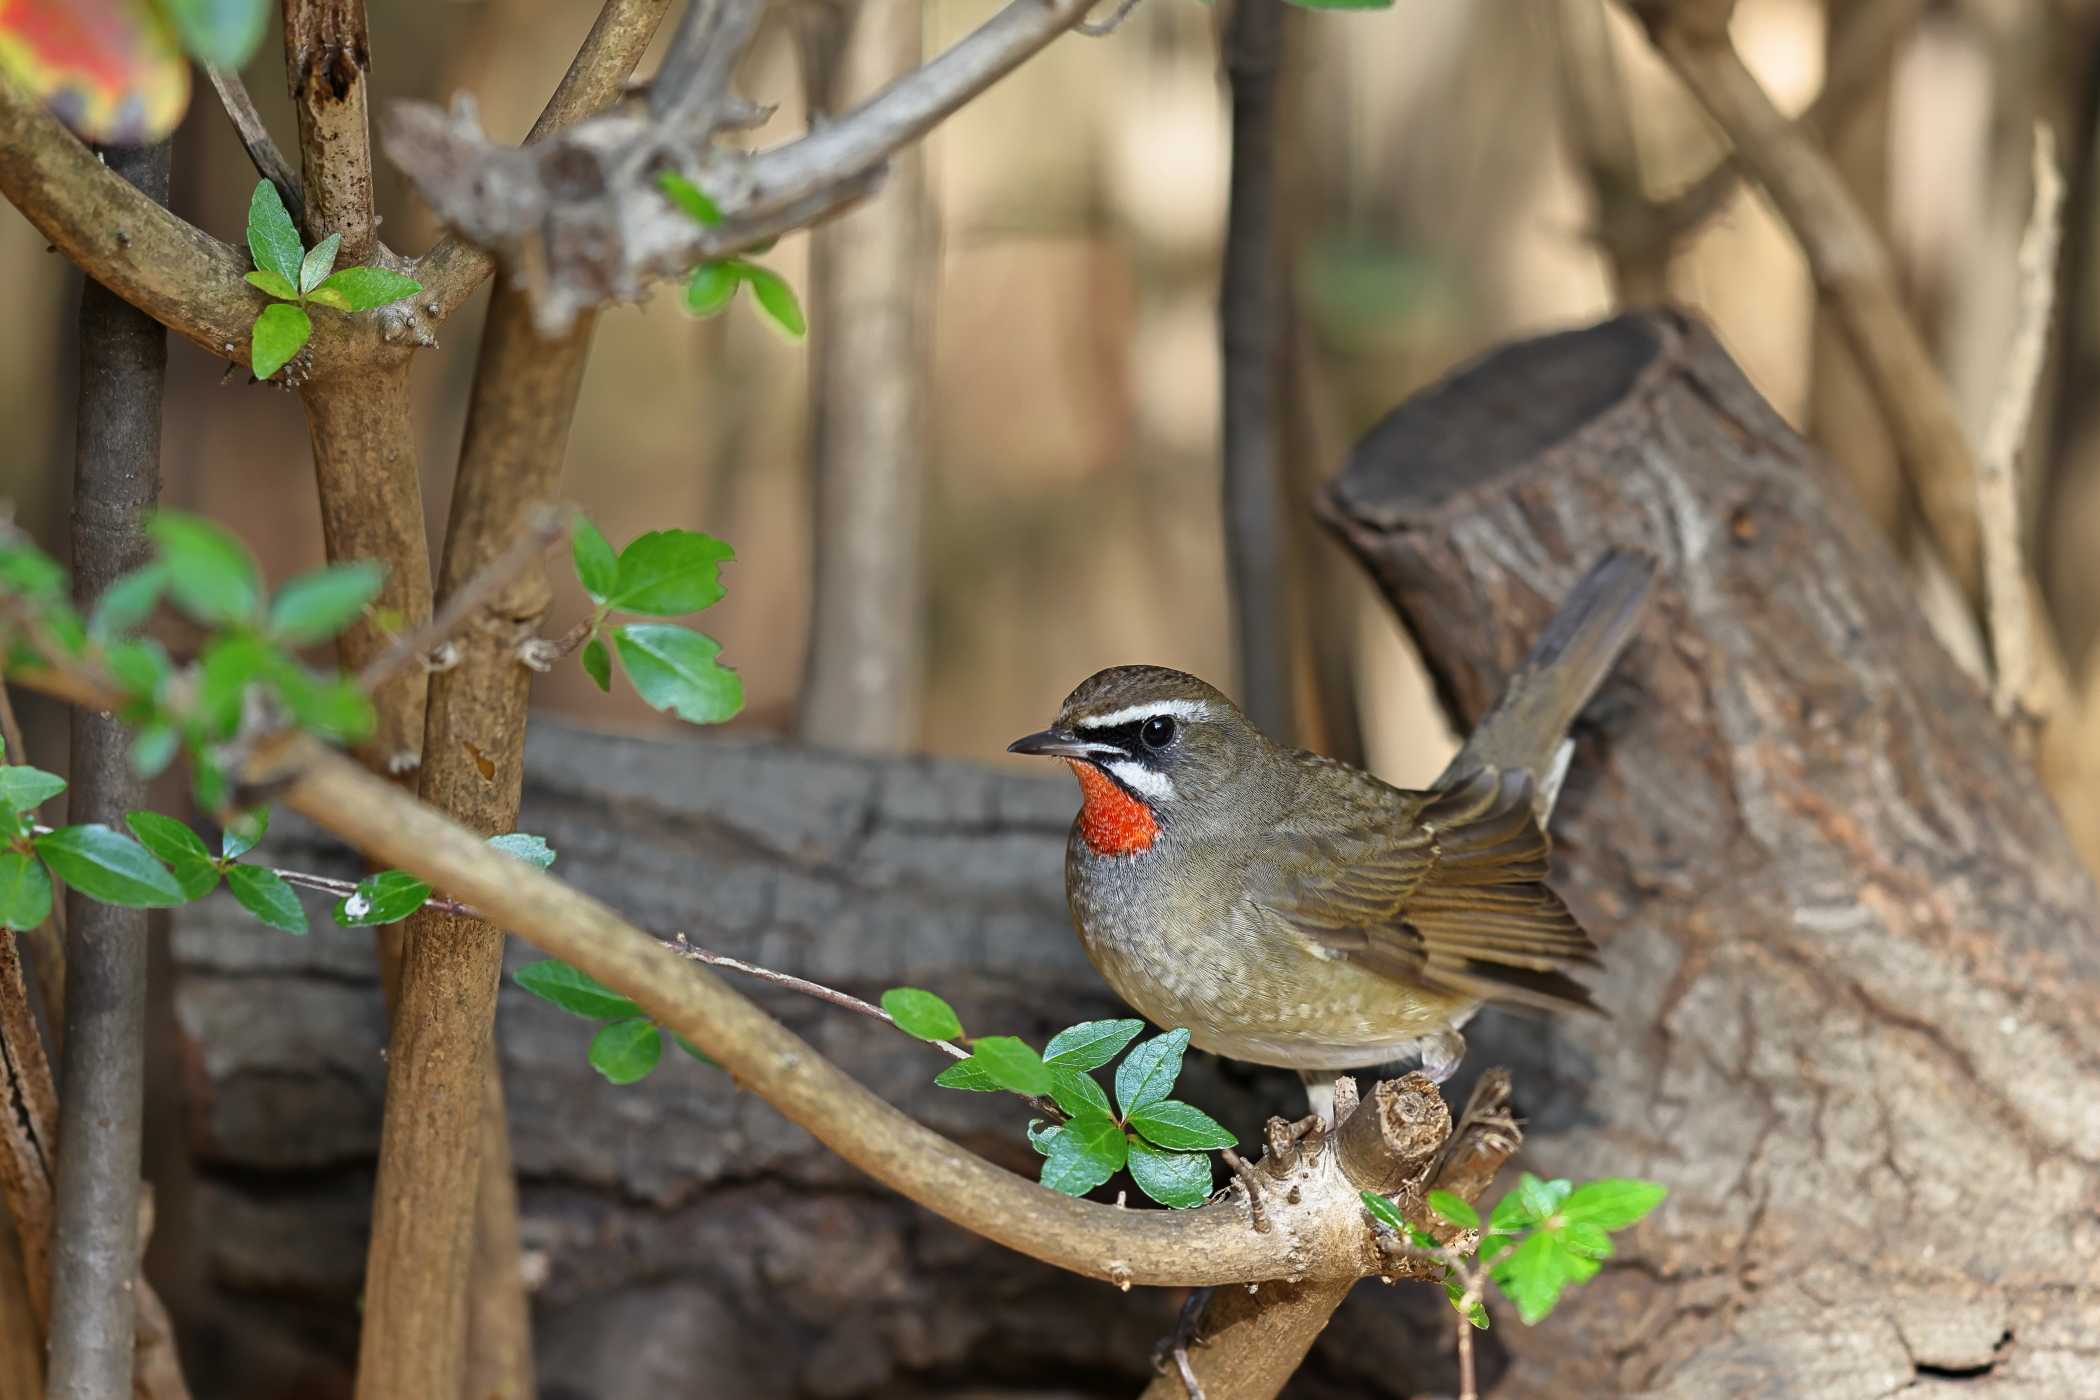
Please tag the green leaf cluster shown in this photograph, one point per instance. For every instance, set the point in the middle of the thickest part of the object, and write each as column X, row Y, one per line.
column 710, row 287
column 1165, row 1144
column 297, row 276
column 664, row 573
column 627, row 1045
column 1541, row 1237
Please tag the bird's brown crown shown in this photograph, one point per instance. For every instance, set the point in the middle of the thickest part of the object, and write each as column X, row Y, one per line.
column 1106, row 694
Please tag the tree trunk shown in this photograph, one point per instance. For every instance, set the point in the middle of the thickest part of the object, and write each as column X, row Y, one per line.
column 1849, row 953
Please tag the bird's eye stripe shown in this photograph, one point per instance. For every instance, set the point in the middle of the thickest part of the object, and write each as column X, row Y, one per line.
column 1152, row 709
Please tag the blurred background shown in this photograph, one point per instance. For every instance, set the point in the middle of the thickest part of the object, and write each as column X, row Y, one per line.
column 1447, row 184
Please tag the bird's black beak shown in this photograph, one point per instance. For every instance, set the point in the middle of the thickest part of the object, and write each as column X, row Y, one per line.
column 1060, row 743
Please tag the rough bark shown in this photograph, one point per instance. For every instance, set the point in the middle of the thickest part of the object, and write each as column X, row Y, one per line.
column 1850, row 954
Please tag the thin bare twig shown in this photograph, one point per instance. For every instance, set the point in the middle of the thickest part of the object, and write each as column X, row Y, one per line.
column 2017, row 689
column 691, row 88
column 262, row 151
column 548, row 526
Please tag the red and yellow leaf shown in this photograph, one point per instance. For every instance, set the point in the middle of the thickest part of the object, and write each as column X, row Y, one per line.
column 112, row 70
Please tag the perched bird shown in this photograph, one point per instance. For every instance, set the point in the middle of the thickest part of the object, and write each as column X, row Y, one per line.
column 1291, row 910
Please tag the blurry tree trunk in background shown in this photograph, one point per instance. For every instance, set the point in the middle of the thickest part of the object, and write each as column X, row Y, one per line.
column 1843, row 418
column 1251, row 331
column 116, row 479
column 871, row 303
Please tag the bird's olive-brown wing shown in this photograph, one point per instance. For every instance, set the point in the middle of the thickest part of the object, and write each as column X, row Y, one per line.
column 1446, row 887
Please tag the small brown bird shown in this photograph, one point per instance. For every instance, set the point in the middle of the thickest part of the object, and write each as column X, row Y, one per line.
column 1291, row 910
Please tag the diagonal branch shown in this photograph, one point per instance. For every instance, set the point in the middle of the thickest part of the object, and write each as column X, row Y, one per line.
column 583, row 212
column 255, row 137
column 691, row 88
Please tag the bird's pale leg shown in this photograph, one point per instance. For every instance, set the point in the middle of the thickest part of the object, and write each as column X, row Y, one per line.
column 1441, row 1054
column 1319, row 1093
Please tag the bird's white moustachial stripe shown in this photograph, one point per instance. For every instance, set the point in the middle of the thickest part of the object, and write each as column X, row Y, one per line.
column 1138, row 778
column 1179, row 709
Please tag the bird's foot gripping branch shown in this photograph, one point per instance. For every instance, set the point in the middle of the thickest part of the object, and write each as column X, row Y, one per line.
column 1389, row 1192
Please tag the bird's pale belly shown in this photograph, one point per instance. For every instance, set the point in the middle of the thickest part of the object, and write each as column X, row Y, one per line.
column 1252, row 989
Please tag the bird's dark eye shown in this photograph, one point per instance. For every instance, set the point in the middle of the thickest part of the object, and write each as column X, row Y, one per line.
column 1158, row 732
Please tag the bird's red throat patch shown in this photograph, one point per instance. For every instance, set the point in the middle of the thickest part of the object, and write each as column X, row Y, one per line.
column 1113, row 822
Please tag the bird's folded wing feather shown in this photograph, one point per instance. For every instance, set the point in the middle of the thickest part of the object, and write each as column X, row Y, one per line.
column 1445, row 887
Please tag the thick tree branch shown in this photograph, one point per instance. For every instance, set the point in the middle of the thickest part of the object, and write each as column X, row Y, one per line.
column 327, row 52
column 182, row 277
column 430, row 1164
column 96, row 1295
column 452, row 269
column 871, row 299
column 582, row 214
column 1250, row 331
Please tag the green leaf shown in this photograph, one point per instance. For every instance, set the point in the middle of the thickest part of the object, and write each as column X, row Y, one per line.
column 128, row 601
column 673, row 668
column 140, row 665
column 668, row 573
column 1456, row 1292
column 243, row 832
column 1588, row 1240
column 1385, row 1211
column 1180, row 1127
column 1012, row 1064
column 1040, row 1134
column 922, row 1014
column 222, row 33
column 319, row 262
column 264, row 894
column 230, row 665
column 689, row 197
column 597, row 567
column 1455, row 1209
column 210, row 572
column 1527, row 1204
column 24, row 789
column 108, row 865
column 597, row 664
column 1177, row 1179
column 273, row 284
column 776, row 298
column 153, row 748
column 363, row 288
column 25, row 891
column 967, row 1074
column 182, row 850
column 1612, row 1204
column 387, row 897
column 533, row 850
column 1090, row 1044
column 1086, row 1153
column 1535, row 1273
column 695, row 1051
column 272, row 240
column 574, row 991
column 627, row 1050
column 1078, row 1092
column 710, row 287
column 315, row 606
column 27, row 570
column 335, row 709
column 1147, row 1074
column 277, row 335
